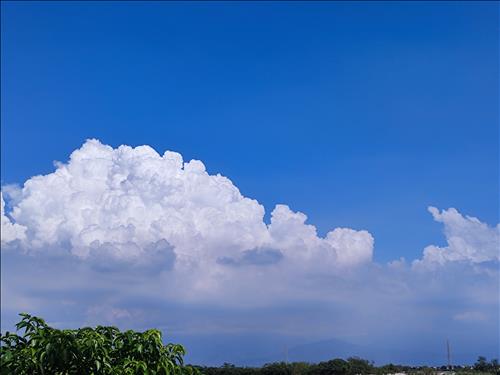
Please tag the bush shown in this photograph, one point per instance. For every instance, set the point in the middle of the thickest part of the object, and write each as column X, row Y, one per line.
column 102, row 350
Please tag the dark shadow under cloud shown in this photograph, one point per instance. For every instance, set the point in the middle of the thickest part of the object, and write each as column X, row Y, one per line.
column 254, row 257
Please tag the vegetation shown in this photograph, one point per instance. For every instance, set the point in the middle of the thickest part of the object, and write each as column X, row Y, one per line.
column 43, row 350
column 482, row 365
column 85, row 351
column 351, row 366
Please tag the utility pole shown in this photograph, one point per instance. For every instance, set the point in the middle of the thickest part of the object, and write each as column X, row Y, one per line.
column 449, row 353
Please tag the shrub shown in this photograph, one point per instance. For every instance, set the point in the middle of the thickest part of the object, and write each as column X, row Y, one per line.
column 102, row 350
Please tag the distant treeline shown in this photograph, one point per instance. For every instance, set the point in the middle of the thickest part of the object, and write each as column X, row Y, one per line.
column 351, row 366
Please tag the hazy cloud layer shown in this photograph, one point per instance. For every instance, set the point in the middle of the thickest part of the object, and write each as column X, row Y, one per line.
column 129, row 236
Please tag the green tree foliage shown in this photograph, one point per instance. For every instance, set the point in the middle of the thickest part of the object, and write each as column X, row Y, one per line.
column 334, row 367
column 482, row 365
column 359, row 366
column 277, row 368
column 88, row 351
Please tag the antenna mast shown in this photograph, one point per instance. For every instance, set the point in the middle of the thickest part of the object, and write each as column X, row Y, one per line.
column 449, row 353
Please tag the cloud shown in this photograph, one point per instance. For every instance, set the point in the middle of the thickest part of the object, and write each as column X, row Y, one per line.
column 469, row 240
column 10, row 232
column 253, row 257
column 341, row 247
column 128, row 236
column 160, row 256
column 117, row 203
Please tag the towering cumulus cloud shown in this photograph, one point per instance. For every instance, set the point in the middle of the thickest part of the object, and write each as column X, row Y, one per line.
column 131, row 203
column 153, row 241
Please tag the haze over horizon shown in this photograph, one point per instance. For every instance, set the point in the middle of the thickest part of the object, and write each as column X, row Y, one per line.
column 254, row 176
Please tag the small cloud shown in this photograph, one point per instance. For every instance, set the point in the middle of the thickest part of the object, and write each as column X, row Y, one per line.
column 469, row 240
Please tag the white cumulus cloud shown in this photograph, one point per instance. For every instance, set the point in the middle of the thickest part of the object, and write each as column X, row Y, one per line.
column 120, row 203
column 9, row 231
column 469, row 240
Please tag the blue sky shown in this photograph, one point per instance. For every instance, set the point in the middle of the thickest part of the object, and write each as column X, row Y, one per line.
column 360, row 115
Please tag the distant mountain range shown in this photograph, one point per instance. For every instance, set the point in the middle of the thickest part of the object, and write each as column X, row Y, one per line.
column 256, row 350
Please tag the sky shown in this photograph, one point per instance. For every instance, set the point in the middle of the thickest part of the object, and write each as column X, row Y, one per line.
column 321, row 133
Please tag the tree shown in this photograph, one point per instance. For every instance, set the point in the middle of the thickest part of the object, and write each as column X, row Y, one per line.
column 481, row 364
column 359, row 366
column 277, row 368
column 333, row 367
column 495, row 367
column 102, row 350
